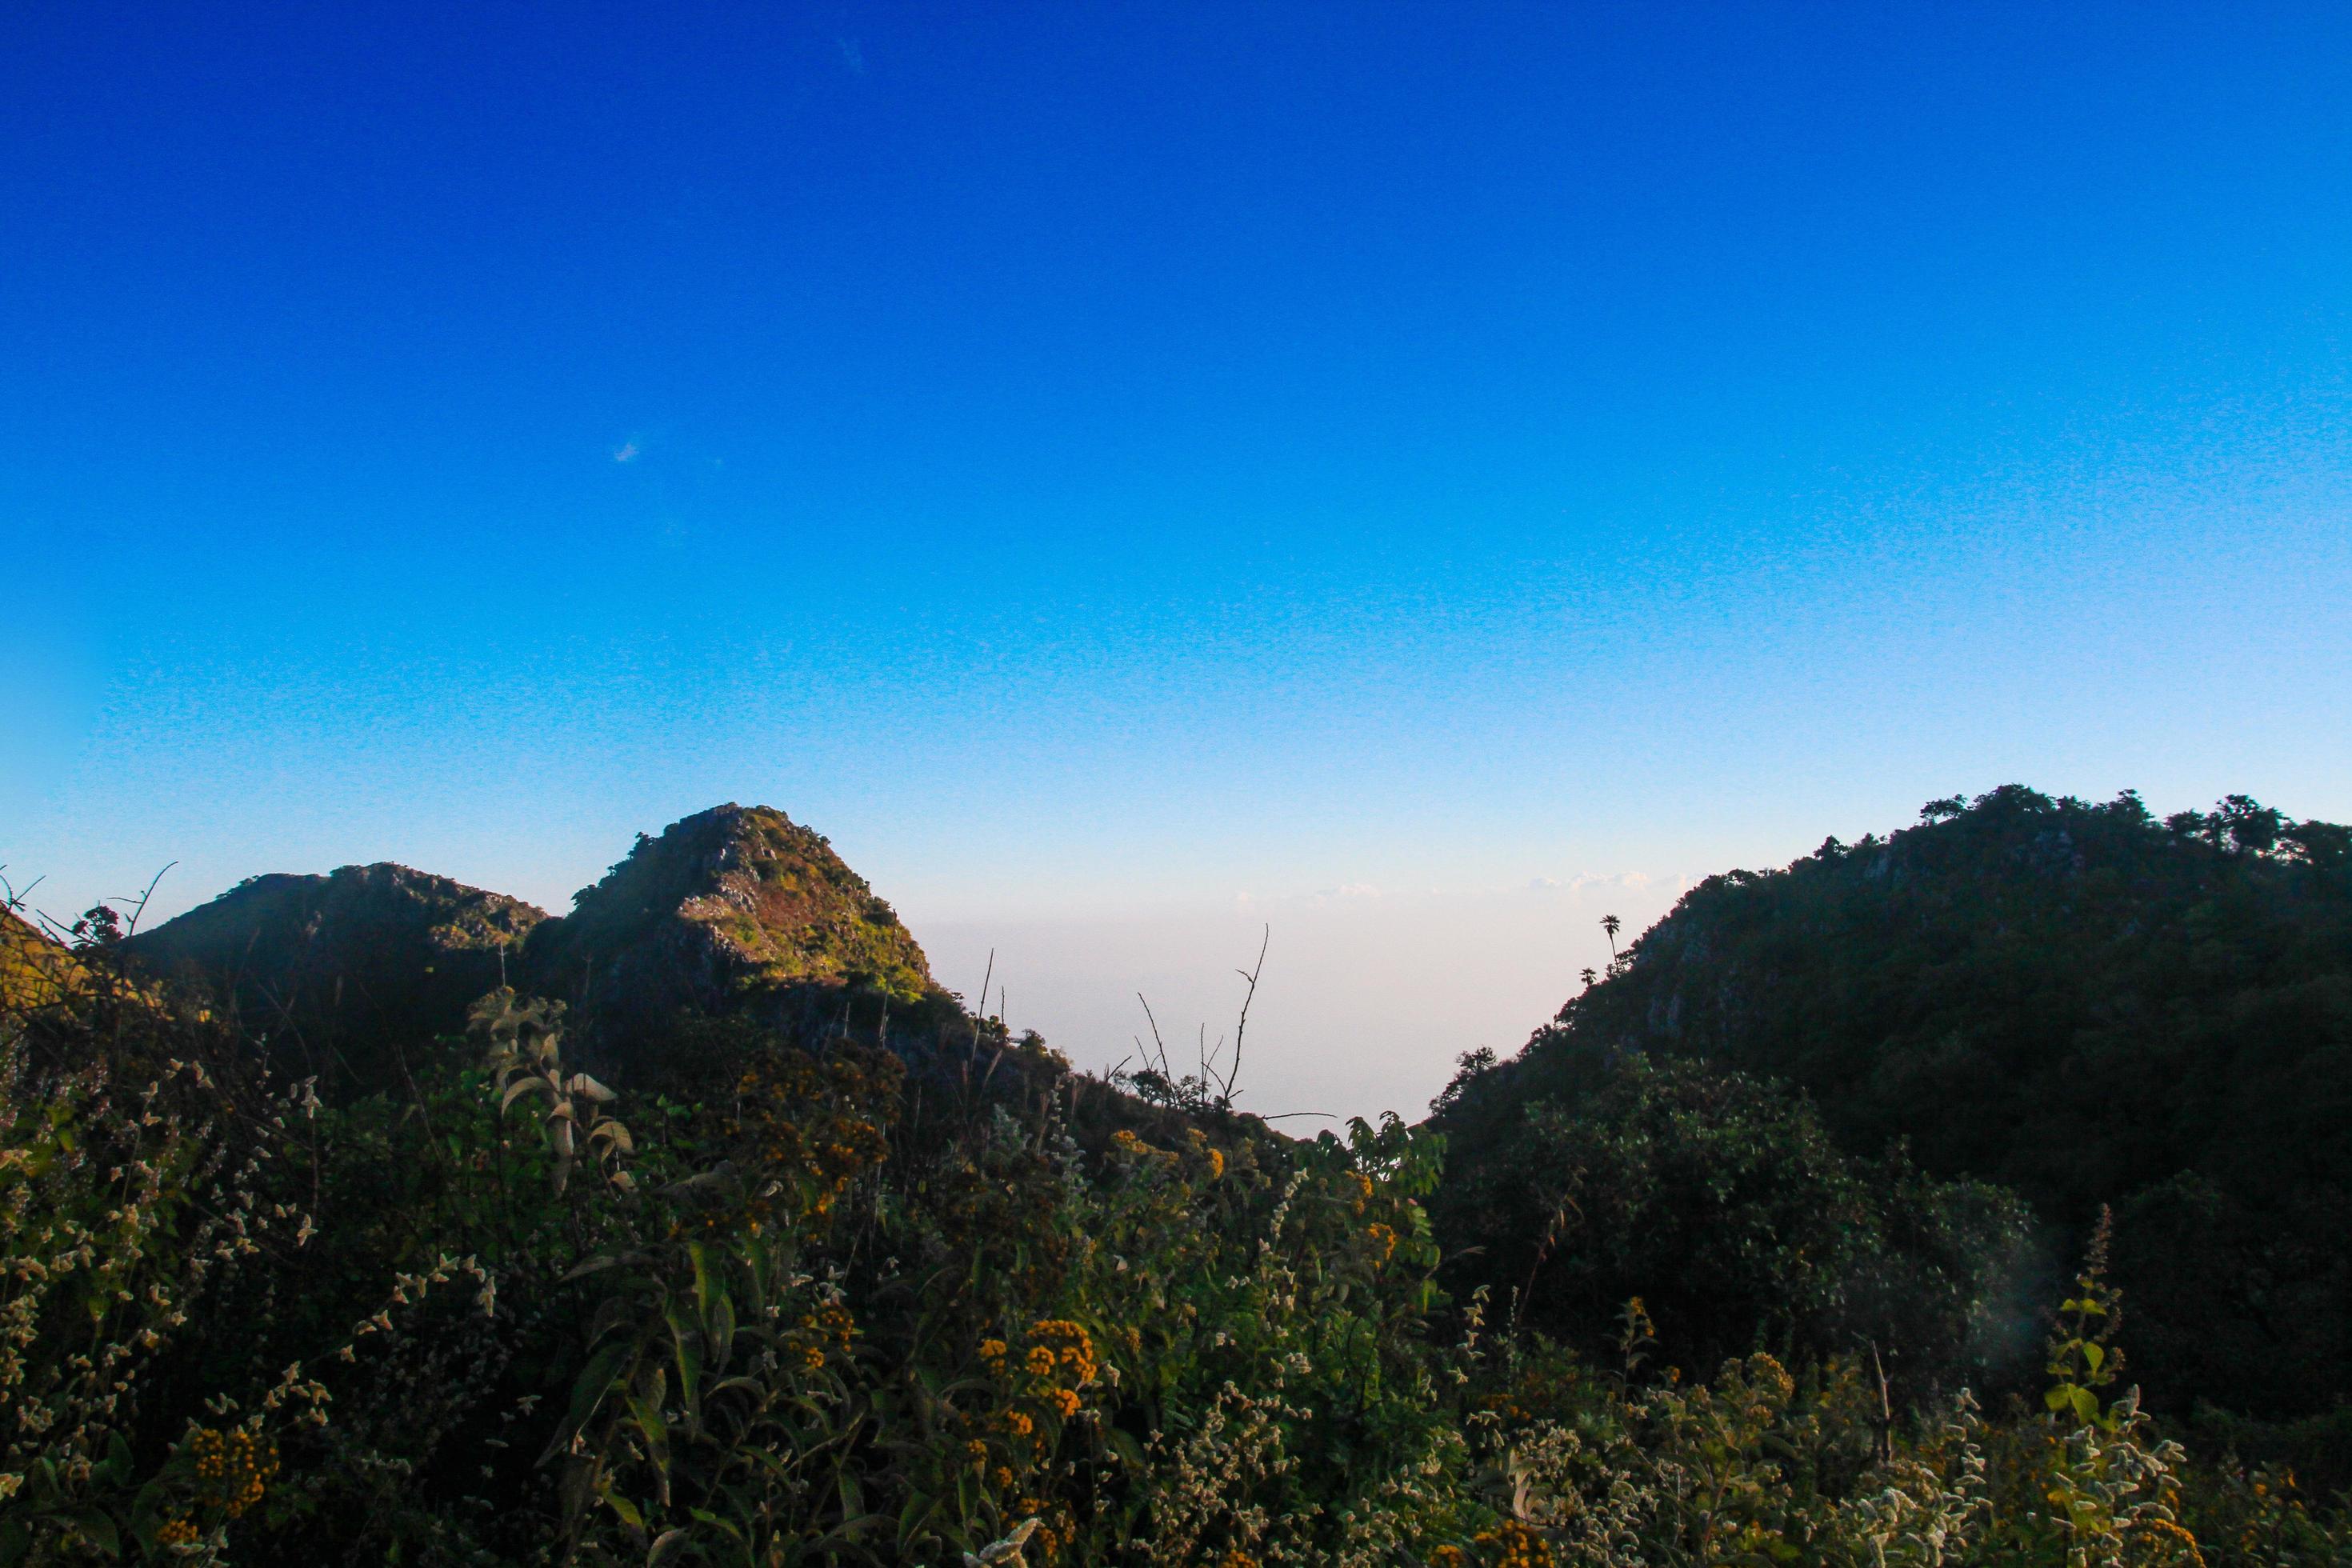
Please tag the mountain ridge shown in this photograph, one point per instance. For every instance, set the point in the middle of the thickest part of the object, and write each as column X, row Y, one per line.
column 726, row 909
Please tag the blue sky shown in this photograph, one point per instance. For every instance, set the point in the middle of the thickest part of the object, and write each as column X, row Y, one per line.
column 1415, row 474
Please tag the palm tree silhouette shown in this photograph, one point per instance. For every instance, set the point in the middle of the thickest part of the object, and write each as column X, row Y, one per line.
column 1609, row 927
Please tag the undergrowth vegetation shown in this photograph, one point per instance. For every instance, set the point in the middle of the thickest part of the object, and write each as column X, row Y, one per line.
column 860, row 1296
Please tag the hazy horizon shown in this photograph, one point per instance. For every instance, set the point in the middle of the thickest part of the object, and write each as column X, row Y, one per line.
column 1419, row 973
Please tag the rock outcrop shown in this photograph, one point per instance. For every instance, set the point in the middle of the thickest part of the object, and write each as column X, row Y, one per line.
column 727, row 910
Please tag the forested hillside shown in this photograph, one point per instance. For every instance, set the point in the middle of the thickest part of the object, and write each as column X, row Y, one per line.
column 829, row 1269
column 2077, row 1003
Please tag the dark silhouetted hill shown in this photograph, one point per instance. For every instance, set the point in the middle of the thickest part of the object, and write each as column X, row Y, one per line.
column 333, row 971
column 2078, row 1002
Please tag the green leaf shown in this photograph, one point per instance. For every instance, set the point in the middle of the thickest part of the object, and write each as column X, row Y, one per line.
column 722, row 1330
column 704, row 1516
column 99, row 1527
column 686, row 1349
column 1129, row 1451
column 602, row 1372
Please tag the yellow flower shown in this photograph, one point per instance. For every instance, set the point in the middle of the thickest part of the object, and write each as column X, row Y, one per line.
column 234, row 1468
column 1522, row 1547
column 1063, row 1344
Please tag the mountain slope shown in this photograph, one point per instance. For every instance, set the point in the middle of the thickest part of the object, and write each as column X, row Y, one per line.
column 732, row 908
column 727, row 908
column 2077, row 1001
column 35, row 973
column 335, row 969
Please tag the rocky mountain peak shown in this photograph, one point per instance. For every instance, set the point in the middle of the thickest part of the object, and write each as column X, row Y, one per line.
column 723, row 907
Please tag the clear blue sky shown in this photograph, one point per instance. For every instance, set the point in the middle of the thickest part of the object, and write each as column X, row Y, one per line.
column 1100, row 461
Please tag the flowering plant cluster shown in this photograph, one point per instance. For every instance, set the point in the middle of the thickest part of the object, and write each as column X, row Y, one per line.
column 881, row 1299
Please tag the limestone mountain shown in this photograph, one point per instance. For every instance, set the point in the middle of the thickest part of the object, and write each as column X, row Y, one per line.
column 332, row 969
column 728, row 909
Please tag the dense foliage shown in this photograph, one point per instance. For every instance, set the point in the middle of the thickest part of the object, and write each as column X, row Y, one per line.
column 1727, row 1206
column 2075, row 1002
column 339, row 973
column 888, row 1285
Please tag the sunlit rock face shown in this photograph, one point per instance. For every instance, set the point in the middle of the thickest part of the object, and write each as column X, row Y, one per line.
column 726, row 909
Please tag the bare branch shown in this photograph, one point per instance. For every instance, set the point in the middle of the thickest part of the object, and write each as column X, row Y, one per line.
column 1247, row 997
column 140, row 910
column 1156, row 1040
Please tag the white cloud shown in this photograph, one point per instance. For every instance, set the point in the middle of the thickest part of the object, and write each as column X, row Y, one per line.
column 1576, row 886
